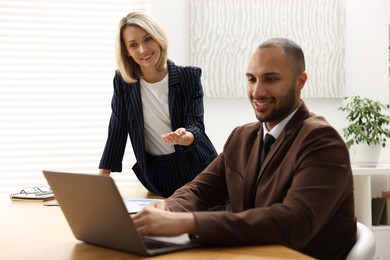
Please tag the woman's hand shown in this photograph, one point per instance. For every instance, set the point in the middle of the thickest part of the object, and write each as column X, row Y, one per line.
column 179, row 137
column 104, row 172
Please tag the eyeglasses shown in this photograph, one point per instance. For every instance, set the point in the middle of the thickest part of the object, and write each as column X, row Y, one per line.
column 37, row 190
column 33, row 193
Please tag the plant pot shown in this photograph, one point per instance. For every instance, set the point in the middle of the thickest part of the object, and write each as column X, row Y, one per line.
column 368, row 155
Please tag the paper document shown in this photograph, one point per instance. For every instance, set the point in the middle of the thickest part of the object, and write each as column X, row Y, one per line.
column 135, row 205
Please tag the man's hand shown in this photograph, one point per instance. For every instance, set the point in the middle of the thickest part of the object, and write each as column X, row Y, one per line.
column 160, row 204
column 156, row 222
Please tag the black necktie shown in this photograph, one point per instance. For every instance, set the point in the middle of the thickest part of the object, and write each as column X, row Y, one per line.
column 268, row 141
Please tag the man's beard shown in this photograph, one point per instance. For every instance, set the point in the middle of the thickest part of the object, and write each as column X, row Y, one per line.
column 278, row 114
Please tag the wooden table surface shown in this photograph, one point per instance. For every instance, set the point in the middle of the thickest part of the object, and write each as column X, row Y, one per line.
column 30, row 230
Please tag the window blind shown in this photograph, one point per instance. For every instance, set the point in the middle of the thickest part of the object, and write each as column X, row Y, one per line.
column 57, row 64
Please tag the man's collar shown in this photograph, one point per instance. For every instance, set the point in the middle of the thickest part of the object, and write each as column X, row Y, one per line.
column 277, row 129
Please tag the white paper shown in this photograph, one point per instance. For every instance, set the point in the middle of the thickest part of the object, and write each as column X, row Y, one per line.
column 135, row 205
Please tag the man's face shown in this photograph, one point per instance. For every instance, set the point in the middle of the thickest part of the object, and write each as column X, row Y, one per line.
column 273, row 85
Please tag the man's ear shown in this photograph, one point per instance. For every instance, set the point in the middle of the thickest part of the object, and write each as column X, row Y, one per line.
column 301, row 80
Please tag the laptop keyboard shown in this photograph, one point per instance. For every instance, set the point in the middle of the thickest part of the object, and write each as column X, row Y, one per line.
column 156, row 244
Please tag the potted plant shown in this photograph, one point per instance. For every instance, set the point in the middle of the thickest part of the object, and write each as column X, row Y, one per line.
column 368, row 127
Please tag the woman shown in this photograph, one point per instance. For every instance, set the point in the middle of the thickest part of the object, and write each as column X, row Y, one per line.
column 160, row 106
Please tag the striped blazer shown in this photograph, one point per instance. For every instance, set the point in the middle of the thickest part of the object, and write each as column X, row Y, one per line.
column 163, row 175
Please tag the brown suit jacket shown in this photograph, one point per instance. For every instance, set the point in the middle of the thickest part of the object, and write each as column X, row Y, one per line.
column 302, row 197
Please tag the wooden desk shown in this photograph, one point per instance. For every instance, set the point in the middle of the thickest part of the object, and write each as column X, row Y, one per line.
column 30, row 230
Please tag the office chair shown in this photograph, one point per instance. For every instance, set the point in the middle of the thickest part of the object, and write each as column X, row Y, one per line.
column 364, row 247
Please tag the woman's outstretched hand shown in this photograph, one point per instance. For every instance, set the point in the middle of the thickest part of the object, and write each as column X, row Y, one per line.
column 179, row 137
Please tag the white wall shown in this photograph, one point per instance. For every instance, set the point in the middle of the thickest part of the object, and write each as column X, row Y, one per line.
column 367, row 52
column 367, row 43
column 367, row 48
column 174, row 16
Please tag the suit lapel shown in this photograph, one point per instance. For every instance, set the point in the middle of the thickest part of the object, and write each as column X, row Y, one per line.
column 251, row 172
column 292, row 127
column 136, row 120
column 173, row 93
column 136, row 123
column 271, row 153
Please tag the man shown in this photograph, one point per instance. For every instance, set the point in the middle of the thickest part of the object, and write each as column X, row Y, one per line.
column 302, row 194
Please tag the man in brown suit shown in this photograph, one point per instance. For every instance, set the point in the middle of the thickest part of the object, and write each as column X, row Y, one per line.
column 302, row 194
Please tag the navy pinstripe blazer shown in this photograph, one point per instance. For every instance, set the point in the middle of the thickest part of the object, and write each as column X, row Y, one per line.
column 185, row 97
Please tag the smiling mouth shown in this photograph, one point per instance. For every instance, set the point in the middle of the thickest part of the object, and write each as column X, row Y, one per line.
column 147, row 57
column 262, row 104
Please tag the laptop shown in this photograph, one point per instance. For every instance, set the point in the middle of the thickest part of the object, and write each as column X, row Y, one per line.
column 96, row 214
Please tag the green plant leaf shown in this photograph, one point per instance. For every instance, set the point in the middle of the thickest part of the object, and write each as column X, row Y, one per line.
column 368, row 121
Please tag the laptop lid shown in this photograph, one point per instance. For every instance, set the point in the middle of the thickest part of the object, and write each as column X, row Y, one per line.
column 96, row 214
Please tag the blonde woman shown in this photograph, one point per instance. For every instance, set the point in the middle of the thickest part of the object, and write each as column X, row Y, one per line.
column 159, row 105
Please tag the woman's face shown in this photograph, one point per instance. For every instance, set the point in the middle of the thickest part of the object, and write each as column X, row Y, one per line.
column 141, row 46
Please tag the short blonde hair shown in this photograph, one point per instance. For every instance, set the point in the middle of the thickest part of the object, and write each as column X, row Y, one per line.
column 128, row 68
